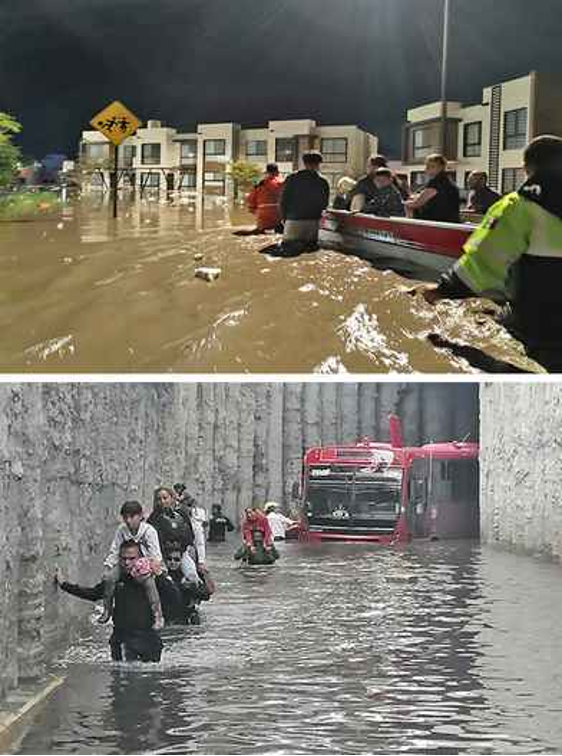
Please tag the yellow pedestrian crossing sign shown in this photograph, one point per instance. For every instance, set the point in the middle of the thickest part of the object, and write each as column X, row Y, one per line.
column 116, row 122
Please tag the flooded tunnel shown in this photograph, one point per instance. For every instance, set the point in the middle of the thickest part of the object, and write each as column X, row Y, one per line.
column 338, row 647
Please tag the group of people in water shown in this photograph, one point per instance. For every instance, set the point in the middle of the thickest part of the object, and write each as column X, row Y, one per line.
column 155, row 571
column 512, row 257
column 294, row 206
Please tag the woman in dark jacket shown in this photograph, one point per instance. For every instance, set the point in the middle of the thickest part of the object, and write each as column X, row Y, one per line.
column 173, row 526
column 440, row 199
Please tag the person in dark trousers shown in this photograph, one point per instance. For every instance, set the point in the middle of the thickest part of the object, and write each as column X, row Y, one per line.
column 481, row 197
column 440, row 200
column 218, row 525
column 306, row 194
column 516, row 256
column 133, row 637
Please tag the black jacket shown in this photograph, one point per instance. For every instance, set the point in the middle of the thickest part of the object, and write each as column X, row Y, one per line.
column 306, row 194
column 446, row 205
column 173, row 526
column 131, row 610
column 218, row 527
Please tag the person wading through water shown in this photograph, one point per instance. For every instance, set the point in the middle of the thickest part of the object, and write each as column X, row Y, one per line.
column 306, row 194
column 134, row 528
column 516, row 254
column 257, row 547
column 263, row 201
column 134, row 637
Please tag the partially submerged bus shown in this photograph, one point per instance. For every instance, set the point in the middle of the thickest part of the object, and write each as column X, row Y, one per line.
column 390, row 493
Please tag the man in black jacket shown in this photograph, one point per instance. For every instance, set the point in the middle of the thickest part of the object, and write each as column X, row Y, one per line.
column 180, row 606
column 133, row 636
column 306, row 194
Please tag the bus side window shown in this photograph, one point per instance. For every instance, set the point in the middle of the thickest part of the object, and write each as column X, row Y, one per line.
column 420, row 494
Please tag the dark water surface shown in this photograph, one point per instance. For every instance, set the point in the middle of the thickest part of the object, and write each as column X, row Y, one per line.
column 435, row 648
column 83, row 293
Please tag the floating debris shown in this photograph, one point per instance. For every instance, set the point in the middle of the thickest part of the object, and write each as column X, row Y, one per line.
column 208, row 274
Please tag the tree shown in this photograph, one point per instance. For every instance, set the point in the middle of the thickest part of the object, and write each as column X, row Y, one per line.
column 9, row 153
column 244, row 174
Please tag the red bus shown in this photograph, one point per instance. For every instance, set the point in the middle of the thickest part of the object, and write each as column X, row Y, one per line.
column 390, row 493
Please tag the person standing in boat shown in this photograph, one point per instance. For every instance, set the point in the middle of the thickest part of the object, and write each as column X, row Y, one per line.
column 440, row 200
column 516, row 254
column 306, row 194
column 481, row 197
column 386, row 201
column 263, row 201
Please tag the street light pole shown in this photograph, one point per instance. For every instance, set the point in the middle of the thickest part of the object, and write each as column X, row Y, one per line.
column 444, row 75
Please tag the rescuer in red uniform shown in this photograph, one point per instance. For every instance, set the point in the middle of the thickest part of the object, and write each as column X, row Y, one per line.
column 263, row 200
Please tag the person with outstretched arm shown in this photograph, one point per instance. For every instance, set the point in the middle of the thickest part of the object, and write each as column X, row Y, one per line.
column 134, row 637
column 516, row 255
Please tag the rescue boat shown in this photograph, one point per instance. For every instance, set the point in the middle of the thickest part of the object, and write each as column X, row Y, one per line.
column 402, row 242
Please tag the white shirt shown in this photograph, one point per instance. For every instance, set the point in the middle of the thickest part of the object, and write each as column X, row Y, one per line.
column 199, row 514
column 279, row 524
column 146, row 537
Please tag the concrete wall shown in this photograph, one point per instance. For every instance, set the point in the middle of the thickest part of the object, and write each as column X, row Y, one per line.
column 521, row 467
column 71, row 454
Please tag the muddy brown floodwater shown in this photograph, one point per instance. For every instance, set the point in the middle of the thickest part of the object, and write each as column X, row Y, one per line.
column 84, row 293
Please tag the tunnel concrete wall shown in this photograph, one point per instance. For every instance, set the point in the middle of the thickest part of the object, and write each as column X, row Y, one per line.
column 70, row 454
column 521, row 467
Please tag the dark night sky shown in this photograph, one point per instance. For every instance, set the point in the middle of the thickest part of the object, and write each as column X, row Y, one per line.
column 184, row 61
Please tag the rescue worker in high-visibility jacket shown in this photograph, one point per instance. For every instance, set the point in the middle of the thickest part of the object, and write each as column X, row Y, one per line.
column 516, row 255
column 263, row 201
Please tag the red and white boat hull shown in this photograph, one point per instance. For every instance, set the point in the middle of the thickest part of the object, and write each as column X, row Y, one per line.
column 400, row 241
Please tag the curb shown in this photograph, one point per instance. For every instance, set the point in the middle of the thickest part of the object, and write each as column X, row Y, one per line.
column 20, row 707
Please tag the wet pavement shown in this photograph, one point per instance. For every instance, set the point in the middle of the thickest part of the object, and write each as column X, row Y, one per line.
column 432, row 648
column 81, row 292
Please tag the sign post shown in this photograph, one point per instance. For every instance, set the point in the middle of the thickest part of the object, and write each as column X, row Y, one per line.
column 116, row 123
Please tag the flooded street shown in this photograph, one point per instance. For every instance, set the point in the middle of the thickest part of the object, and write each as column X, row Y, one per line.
column 82, row 292
column 436, row 648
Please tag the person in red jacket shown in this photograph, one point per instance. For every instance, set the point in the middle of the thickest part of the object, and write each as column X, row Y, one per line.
column 263, row 200
column 255, row 522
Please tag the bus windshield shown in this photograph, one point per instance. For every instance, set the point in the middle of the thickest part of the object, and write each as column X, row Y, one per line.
column 345, row 494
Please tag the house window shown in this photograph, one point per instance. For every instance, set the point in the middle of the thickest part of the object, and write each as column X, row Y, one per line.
column 128, row 154
column 417, row 180
column 515, row 129
column 188, row 180
column 150, row 154
column 334, row 150
column 422, row 147
column 215, row 180
column 215, row 147
column 285, row 150
column 150, row 180
column 188, row 151
column 95, row 152
column 512, row 179
column 473, row 139
column 256, row 148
